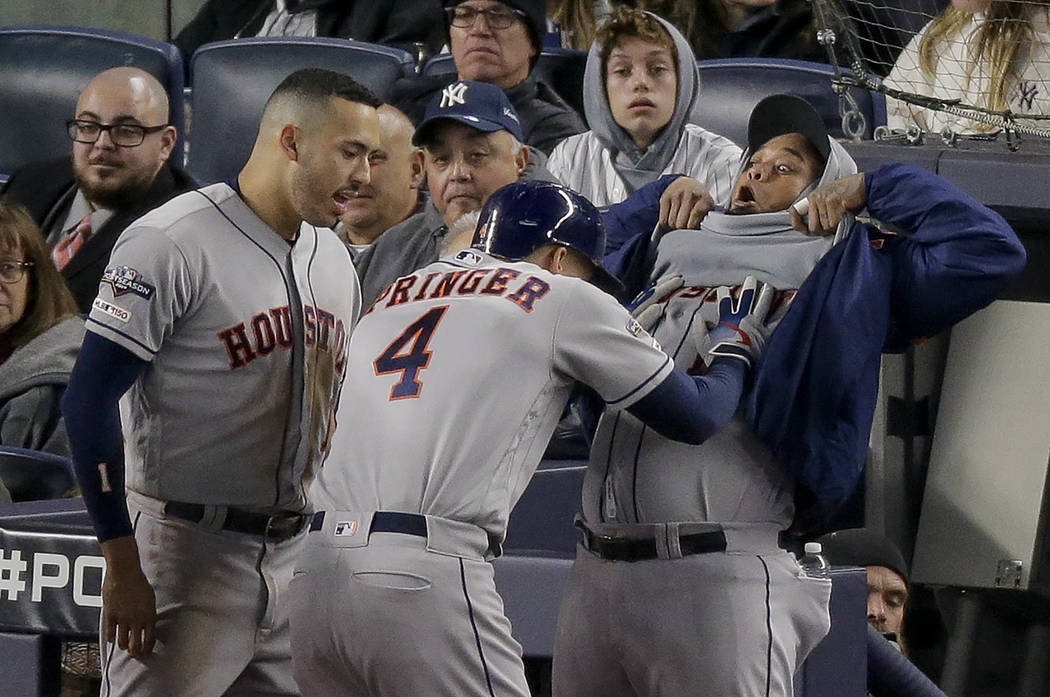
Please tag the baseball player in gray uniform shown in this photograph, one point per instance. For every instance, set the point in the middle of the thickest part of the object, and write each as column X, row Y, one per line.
column 681, row 542
column 224, row 316
column 394, row 594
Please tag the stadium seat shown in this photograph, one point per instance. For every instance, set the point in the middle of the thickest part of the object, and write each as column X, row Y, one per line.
column 30, row 475
column 731, row 87
column 231, row 81
column 44, row 70
column 561, row 68
column 541, row 522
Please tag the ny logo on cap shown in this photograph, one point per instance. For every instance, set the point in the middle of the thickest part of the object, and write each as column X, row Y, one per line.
column 453, row 94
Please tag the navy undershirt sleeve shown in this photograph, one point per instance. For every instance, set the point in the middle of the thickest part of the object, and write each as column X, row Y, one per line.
column 691, row 409
column 104, row 371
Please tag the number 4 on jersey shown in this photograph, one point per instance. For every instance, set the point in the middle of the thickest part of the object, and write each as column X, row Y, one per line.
column 393, row 360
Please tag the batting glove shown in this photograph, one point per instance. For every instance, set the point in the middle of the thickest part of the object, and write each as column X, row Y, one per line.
column 743, row 322
column 646, row 308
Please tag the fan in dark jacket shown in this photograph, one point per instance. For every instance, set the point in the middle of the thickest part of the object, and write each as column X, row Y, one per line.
column 413, row 25
column 118, row 172
column 499, row 45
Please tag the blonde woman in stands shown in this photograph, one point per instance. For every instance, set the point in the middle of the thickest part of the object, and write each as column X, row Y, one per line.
column 39, row 337
column 994, row 54
column 576, row 21
column 639, row 88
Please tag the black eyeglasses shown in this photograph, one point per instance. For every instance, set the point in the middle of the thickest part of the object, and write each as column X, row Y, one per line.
column 125, row 135
column 12, row 271
column 495, row 17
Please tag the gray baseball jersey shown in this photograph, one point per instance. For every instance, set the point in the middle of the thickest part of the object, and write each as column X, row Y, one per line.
column 246, row 338
column 438, row 337
column 218, row 316
column 457, row 377
column 638, row 476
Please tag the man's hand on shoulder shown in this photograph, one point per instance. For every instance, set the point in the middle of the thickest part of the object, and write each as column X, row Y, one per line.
column 129, row 606
column 684, row 204
column 829, row 203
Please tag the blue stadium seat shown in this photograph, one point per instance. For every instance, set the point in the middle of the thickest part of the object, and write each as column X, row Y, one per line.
column 561, row 68
column 441, row 64
column 30, row 475
column 541, row 522
column 231, row 81
column 731, row 87
column 44, row 68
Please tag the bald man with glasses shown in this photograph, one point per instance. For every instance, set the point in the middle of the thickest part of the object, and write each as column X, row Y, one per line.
column 118, row 171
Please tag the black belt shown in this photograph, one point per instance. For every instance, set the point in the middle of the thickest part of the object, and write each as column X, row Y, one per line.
column 278, row 527
column 386, row 521
column 632, row 549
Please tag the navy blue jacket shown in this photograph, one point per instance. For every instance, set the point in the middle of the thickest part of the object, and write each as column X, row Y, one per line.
column 814, row 392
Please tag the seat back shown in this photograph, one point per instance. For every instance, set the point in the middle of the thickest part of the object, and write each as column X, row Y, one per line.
column 30, row 475
column 731, row 87
column 561, row 68
column 232, row 80
column 44, row 68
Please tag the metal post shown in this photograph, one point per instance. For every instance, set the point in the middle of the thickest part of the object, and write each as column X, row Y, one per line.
column 1035, row 671
column 955, row 678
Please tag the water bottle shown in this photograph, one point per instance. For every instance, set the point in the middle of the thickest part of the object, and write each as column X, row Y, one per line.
column 813, row 562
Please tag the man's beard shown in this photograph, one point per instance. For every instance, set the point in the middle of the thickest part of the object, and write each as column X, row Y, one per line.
column 105, row 196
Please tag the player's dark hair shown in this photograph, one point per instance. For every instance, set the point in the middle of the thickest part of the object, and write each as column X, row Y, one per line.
column 313, row 85
column 48, row 300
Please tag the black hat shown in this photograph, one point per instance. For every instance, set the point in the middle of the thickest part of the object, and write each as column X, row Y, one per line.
column 535, row 18
column 785, row 113
column 863, row 547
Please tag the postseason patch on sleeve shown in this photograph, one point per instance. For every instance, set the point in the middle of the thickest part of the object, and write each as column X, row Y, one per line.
column 124, row 280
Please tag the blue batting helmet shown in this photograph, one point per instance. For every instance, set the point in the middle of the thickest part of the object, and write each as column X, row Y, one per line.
column 521, row 217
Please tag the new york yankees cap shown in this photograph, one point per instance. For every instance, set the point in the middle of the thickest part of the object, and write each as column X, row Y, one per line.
column 785, row 113
column 480, row 105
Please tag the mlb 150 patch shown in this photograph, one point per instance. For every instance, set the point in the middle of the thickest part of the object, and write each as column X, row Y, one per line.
column 111, row 310
column 124, row 280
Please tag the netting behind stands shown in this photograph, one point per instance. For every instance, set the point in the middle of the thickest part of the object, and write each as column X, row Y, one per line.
column 954, row 74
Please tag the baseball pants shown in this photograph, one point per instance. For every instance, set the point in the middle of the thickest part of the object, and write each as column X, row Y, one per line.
column 391, row 614
column 723, row 624
column 222, row 621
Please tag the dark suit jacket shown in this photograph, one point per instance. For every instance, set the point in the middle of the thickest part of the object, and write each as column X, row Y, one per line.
column 398, row 23
column 47, row 188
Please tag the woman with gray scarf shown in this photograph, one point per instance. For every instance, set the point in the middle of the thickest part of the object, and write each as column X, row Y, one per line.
column 640, row 87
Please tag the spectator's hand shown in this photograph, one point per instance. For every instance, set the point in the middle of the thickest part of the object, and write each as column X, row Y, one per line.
column 829, row 203
column 129, row 606
column 684, row 204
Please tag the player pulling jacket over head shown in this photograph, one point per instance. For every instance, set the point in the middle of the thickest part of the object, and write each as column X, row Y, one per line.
column 456, row 378
column 694, row 529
